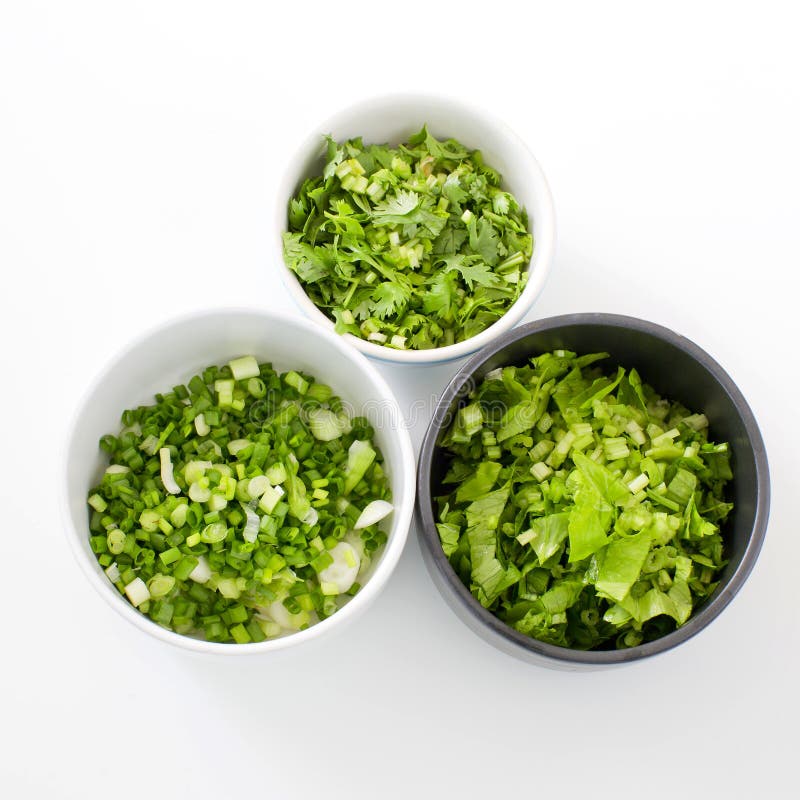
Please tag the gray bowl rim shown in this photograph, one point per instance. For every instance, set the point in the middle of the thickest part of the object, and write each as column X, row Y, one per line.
column 430, row 537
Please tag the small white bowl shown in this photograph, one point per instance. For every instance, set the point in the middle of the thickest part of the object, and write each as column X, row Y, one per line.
column 392, row 120
column 171, row 354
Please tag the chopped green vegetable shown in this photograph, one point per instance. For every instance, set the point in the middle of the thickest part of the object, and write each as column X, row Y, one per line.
column 359, row 459
column 234, row 530
column 580, row 508
column 413, row 247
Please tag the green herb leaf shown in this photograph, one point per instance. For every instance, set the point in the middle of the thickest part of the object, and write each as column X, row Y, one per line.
column 388, row 298
column 483, row 240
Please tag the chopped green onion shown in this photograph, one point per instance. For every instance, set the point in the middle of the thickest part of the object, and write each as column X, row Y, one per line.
column 237, row 445
column 276, row 474
column 169, row 537
column 296, row 381
column 359, row 458
column 115, row 541
column 160, row 585
column 250, row 531
column 166, row 472
column 373, row 512
column 194, row 471
column 257, row 485
column 340, row 575
column 199, row 493
column 137, row 591
column 324, row 424
column 193, row 539
column 270, row 498
column 244, row 367
column 97, row 503
column 215, row 532
column 201, row 426
column 202, row 572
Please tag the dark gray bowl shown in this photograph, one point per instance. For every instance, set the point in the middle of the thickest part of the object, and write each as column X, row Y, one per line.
column 674, row 367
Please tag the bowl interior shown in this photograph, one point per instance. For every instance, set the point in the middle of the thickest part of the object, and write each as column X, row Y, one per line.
column 678, row 370
column 179, row 350
column 392, row 120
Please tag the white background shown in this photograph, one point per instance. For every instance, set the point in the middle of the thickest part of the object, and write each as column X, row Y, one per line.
column 139, row 144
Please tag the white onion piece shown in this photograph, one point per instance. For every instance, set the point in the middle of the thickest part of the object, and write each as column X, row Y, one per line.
column 137, row 591
column 280, row 615
column 354, row 539
column 201, row 426
column 113, row 572
column 312, row 517
column 250, row 532
column 167, row 477
column 374, row 512
column 202, row 571
column 341, row 575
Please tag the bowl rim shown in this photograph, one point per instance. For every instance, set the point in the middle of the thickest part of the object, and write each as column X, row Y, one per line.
column 544, row 245
column 518, row 642
column 402, row 514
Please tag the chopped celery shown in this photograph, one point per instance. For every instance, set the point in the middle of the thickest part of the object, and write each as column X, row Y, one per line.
column 589, row 519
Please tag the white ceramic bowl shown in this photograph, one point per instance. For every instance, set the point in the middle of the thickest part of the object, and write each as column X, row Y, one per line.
column 392, row 120
column 175, row 351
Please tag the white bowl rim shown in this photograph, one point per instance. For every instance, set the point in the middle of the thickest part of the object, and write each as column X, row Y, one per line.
column 370, row 590
column 544, row 245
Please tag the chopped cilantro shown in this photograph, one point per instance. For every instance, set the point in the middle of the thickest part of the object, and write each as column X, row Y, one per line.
column 411, row 247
